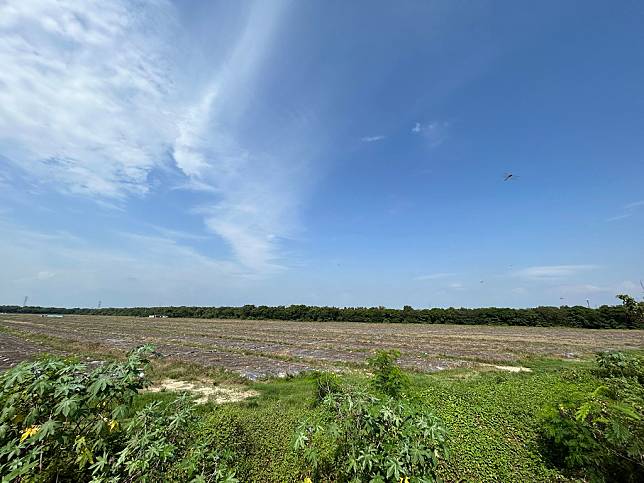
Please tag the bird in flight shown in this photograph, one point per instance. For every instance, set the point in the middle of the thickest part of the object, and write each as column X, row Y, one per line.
column 509, row 176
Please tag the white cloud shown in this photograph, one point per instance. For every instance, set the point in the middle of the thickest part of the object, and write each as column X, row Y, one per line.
column 584, row 288
column 435, row 132
column 550, row 272
column 90, row 104
column 83, row 97
column 434, row 276
column 371, row 139
column 257, row 190
column 635, row 204
column 456, row 286
column 619, row 217
column 141, row 270
column 45, row 275
column 629, row 210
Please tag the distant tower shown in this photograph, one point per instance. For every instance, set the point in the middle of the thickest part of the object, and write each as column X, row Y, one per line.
column 99, row 304
column 588, row 302
column 24, row 302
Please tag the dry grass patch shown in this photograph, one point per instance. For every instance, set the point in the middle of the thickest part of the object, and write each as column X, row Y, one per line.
column 206, row 391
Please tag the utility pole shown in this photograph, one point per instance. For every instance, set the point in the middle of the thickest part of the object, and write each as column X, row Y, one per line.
column 24, row 302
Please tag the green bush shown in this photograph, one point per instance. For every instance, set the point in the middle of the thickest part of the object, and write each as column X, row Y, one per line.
column 326, row 383
column 364, row 438
column 602, row 437
column 388, row 378
column 633, row 309
column 60, row 421
column 618, row 364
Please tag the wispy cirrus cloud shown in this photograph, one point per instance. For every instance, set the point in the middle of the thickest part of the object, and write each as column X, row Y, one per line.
column 456, row 286
column 635, row 204
column 552, row 272
column 255, row 188
column 435, row 276
column 629, row 210
column 434, row 132
column 372, row 139
column 57, row 268
column 619, row 217
column 92, row 127
column 99, row 128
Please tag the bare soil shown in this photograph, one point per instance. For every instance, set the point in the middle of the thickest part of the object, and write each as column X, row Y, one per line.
column 268, row 348
column 14, row 350
column 205, row 390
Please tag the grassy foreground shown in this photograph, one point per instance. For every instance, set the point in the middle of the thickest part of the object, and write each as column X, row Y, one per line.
column 492, row 418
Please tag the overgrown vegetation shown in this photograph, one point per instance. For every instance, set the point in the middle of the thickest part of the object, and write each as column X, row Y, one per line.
column 388, row 378
column 600, row 318
column 362, row 437
column 61, row 421
column 460, row 425
column 601, row 438
column 634, row 310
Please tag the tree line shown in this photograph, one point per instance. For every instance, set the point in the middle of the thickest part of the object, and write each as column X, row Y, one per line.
column 604, row 317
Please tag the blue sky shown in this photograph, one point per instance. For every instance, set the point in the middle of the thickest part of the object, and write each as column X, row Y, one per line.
column 327, row 153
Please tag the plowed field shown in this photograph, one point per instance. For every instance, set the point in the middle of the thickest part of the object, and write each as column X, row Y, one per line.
column 261, row 348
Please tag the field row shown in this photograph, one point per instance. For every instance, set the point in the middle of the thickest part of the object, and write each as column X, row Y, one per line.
column 259, row 348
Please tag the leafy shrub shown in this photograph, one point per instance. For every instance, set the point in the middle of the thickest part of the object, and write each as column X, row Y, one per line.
column 618, row 364
column 371, row 440
column 160, row 445
column 326, row 383
column 602, row 437
column 61, row 421
column 388, row 378
column 633, row 310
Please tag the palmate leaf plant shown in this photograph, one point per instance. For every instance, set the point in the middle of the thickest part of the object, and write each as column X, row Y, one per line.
column 60, row 421
column 58, row 415
column 362, row 438
column 602, row 437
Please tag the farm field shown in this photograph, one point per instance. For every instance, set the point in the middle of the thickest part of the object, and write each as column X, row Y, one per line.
column 493, row 415
column 262, row 348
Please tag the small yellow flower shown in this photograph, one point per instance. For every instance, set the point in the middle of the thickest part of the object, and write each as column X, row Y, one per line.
column 30, row 431
column 112, row 424
column 307, row 480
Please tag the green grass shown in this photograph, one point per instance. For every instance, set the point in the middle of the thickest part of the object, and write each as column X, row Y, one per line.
column 260, row 430
column 492, row 416
column 493, row 419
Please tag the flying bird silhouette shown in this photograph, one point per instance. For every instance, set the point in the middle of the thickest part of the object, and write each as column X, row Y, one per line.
column 509, row 176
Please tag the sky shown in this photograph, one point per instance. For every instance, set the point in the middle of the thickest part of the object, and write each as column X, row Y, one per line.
column 324, row 153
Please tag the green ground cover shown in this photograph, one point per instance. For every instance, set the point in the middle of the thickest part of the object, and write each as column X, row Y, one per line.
column 494, row 419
